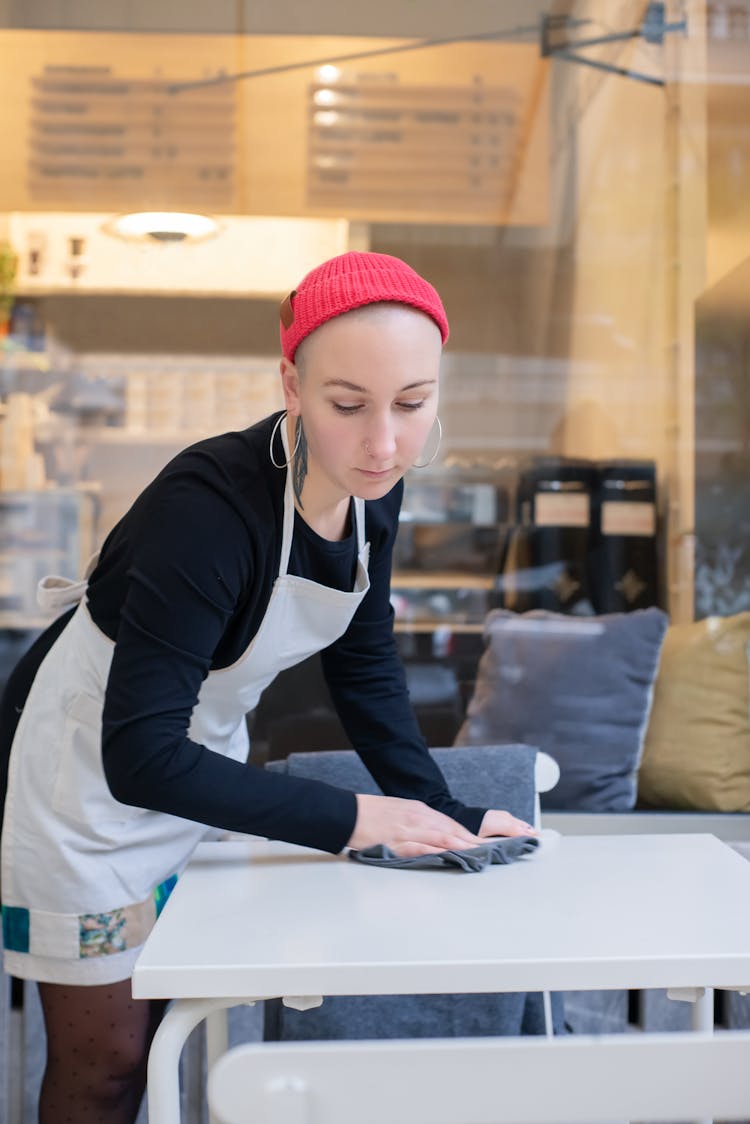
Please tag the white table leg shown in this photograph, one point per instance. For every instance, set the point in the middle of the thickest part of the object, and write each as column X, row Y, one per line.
column 549, row 1026
column 163, row 1088
column 703, row 1010
column 703, row 1017
column 702, row 999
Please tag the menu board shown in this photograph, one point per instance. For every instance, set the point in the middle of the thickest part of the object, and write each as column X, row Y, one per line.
column 382, row 143
column 106, row 140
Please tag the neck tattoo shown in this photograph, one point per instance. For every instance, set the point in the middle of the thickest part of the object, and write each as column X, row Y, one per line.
column 300, row 462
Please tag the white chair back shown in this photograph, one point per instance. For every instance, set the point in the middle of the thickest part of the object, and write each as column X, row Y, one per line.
column 578, row 1080
column 546, row 776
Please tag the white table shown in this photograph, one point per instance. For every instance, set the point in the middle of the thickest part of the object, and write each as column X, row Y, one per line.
column 259, row 920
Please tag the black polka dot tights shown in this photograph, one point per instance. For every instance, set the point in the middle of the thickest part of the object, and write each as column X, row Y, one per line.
column 97, row 1048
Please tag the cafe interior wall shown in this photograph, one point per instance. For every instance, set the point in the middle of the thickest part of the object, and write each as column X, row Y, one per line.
column 572, row 297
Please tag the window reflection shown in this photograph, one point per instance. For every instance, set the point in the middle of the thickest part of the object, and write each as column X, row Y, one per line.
column 588, row 224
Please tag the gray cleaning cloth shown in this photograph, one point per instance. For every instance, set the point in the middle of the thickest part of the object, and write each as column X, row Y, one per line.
column 504, row 850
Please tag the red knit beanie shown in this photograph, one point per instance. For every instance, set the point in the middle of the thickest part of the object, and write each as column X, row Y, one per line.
column 351, row 281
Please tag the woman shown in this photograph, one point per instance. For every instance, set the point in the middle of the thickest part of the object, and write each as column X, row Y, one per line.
column 248, row 553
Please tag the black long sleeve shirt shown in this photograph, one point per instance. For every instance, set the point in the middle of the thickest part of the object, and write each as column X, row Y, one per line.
column 181, row 587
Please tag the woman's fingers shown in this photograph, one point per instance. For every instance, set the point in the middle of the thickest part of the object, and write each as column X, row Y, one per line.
column 397, row 823
column 497, row 822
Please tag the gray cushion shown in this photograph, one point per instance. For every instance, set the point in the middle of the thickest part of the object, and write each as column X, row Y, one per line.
column 413, row 1016
column 502, row 774
column 579, row 688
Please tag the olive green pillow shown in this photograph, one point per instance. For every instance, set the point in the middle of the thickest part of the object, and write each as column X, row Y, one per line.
column 697, row 751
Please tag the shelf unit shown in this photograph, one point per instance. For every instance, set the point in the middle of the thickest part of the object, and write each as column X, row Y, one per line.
column 51, row 530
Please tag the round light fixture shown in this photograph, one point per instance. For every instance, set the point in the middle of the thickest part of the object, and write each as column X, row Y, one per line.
column 163, row 226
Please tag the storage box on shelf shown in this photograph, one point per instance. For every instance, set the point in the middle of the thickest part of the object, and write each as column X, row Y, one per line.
column 448, row 548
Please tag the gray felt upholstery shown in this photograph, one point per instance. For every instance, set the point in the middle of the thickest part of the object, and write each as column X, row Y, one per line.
column 475, row 774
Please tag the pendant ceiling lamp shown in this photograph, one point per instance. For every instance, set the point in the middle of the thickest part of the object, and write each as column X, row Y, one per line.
column 163, row 226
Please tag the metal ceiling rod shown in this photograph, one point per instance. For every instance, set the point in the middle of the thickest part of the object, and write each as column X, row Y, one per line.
column 653, row 29
column 414, row 45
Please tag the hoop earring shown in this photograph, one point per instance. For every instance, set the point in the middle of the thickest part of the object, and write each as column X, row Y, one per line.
column 437, row 447
column 274, row 431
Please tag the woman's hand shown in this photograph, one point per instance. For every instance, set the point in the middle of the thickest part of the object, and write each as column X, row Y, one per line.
column 408, row 827
column 502, row 823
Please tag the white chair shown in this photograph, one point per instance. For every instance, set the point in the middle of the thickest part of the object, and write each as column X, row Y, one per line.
column 586, row 1080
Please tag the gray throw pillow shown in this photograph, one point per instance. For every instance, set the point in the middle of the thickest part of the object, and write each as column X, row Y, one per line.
column 579, row 688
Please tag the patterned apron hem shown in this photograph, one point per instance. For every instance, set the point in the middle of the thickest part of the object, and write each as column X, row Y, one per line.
column 85, row 936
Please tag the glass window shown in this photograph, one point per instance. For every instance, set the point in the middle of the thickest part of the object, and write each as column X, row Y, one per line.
column 574, row 179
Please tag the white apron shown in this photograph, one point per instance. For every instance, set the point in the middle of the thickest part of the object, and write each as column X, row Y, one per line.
column 84, row 877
